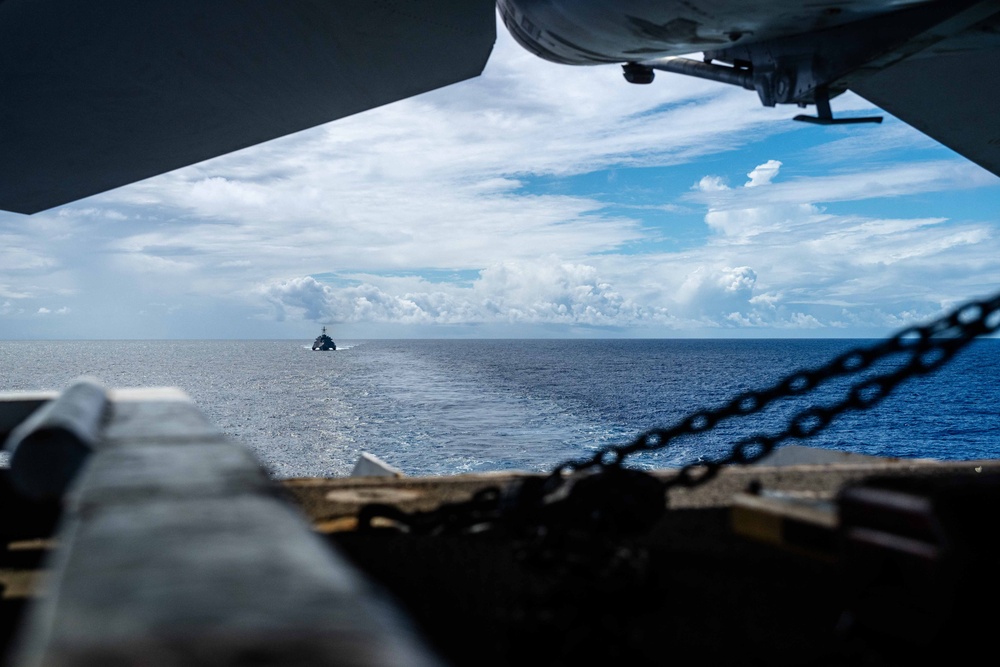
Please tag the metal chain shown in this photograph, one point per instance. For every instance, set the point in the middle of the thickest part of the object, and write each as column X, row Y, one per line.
column 929, row 347
column 537, row 502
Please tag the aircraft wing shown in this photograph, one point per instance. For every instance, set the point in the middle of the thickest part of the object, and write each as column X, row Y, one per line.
column 929, row 62
column 951, row 92
column 95, row 95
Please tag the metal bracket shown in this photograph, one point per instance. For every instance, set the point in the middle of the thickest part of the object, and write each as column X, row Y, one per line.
column 824, row 115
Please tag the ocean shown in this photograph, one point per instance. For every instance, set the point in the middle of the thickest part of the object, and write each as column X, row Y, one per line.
column 444, row 407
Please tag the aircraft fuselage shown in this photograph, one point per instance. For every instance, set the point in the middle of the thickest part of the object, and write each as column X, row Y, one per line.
column 590, row 32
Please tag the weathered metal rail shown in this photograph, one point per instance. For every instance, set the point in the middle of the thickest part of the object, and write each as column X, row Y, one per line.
column 174, row 548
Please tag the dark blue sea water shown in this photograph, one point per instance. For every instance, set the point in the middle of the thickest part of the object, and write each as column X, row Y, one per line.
column 442, row 407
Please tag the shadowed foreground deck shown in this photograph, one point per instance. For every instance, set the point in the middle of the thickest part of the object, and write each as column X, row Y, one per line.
column 172, row 547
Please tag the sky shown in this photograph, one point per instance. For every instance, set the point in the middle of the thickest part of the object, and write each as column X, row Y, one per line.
column 537, row 200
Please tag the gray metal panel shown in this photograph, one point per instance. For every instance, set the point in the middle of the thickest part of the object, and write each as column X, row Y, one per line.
column 952, row 97
column 98, row 95
column 176, row 551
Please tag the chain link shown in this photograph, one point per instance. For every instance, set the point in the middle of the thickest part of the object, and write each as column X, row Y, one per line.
column 535, row 502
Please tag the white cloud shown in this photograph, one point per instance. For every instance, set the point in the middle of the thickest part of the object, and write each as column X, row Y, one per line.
column 763, row 173
column 878, row 182
column 714, row 293
column 543, row 292
column 482, row 180
column 711, row 184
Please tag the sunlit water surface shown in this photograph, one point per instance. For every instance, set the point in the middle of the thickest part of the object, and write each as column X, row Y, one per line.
column 442, row 407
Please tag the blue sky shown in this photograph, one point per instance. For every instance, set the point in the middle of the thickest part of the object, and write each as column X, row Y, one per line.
column 537, row 200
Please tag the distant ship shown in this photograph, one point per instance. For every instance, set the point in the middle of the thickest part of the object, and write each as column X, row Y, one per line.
column 324, row 342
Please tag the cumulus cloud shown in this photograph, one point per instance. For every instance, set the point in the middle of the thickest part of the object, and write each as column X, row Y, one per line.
column 715, row 293
column 799, row 266
column 509, row 293
column 711, row 184
column 763, row 174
